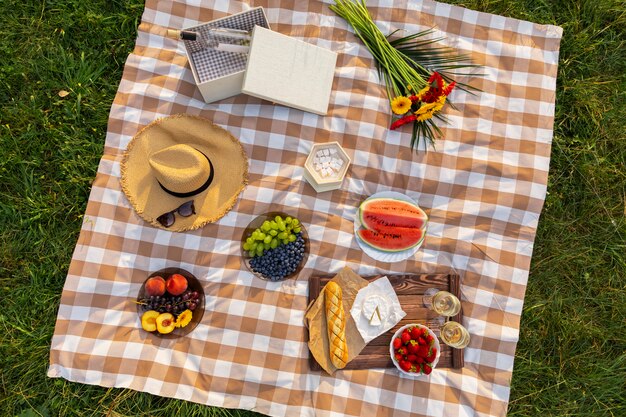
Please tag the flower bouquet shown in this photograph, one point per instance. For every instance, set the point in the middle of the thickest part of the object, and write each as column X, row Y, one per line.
column 417, row 75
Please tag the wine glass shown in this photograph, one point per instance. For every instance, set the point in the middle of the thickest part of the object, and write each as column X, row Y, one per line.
column 441, row 302
column 454, row 335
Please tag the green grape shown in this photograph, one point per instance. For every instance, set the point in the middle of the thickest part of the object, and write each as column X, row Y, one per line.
column 251, row 253
column 285, row 241
column 297, row 229
column 295, row 222
column 246, row 246
column 292, row 238
column 273, row 232
column 249, row 241
column 274, row 244
column 266, row 245
column 283, row 235
column 253, row 246
column 278, row 219
column 281, row 226
column 274, row 225
column 288, row 220
column 262, row 236
column 259, row 250
column 266, row 226
column 268, row 239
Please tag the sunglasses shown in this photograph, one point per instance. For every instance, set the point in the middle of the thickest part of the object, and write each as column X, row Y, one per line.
column 185, row 210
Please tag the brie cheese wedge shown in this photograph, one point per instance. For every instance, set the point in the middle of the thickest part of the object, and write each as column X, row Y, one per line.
column 375, row 309
column 375, row 319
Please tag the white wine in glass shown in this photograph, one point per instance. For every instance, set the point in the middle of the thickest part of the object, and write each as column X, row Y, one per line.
column 454, row 335
column 446, row 304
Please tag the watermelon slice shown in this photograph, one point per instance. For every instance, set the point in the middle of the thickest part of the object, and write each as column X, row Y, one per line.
column 394, row 241
column 381, row 213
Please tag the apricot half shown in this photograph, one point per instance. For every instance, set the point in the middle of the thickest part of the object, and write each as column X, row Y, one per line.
column 165, row 323
column 148, row 320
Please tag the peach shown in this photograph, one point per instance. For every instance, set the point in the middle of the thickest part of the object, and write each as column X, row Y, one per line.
column 165, row 323
column 176, row 284
column 155, row 286
column 148, row 320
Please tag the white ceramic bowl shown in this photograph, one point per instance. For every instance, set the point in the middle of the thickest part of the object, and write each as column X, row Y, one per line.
column 392, row 354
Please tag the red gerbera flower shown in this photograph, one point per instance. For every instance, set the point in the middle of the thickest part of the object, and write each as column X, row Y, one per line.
column 449, row 88
column 402, row 121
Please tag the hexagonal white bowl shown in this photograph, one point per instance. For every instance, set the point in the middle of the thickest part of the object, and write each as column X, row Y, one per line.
column 319, row 183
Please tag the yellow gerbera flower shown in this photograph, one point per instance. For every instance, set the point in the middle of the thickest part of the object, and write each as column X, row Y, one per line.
column 424, row 116
column 401, row 105
column 426, row 108
column 422, row 92
column 184, row 318
column 439, row 103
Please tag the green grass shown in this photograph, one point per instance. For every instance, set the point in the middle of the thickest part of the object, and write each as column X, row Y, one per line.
column 571, row 358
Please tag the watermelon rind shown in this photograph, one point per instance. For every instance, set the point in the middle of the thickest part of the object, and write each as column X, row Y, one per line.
column 363, row 207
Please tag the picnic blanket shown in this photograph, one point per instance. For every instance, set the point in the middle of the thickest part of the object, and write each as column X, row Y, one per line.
column 483, row 187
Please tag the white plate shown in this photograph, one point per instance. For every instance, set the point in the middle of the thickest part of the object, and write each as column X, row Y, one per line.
column 380, row 255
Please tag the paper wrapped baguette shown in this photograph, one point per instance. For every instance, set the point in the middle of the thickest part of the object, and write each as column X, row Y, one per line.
column 315, row 319
column 336, row 323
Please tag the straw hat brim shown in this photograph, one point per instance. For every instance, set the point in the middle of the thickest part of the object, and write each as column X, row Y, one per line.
column 150, row 201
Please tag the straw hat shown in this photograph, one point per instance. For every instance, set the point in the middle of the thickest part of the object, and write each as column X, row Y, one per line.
column 178, row 159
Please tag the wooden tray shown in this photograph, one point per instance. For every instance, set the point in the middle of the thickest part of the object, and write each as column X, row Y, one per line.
column 409, row 289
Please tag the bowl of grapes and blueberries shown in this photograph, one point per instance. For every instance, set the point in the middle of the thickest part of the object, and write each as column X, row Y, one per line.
column 275, row 246
column 170, row 303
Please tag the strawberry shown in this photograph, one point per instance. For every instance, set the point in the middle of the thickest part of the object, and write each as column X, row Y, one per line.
column 424, row 332
column 411, row 358
column 433, row 355
column 401, row 351
column 398, row 357
column 413, row 369
column 412, row 347
column 397, row 343
column 427, row 369
column 405, row 366
column 421, row 341
column 420, row 359
column 406, row 336
column 422, row 351
column 415, row 332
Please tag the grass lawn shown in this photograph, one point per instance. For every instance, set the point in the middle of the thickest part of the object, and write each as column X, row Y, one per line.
column 571, row 358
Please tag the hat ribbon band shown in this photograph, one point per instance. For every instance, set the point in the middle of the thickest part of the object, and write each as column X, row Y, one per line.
column 197, row 190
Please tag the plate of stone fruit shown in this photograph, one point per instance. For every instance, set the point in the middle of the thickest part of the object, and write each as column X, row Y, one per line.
column 170, row 303
column 415, row 350
column 275, row 246
column 390, row 226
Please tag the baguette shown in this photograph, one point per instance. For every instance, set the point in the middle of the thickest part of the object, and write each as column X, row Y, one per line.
column 336, row 321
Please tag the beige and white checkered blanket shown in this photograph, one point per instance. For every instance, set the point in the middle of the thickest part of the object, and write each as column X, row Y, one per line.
column 483, row 187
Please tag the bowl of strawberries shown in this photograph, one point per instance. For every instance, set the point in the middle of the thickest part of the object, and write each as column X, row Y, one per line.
column 415, row 350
